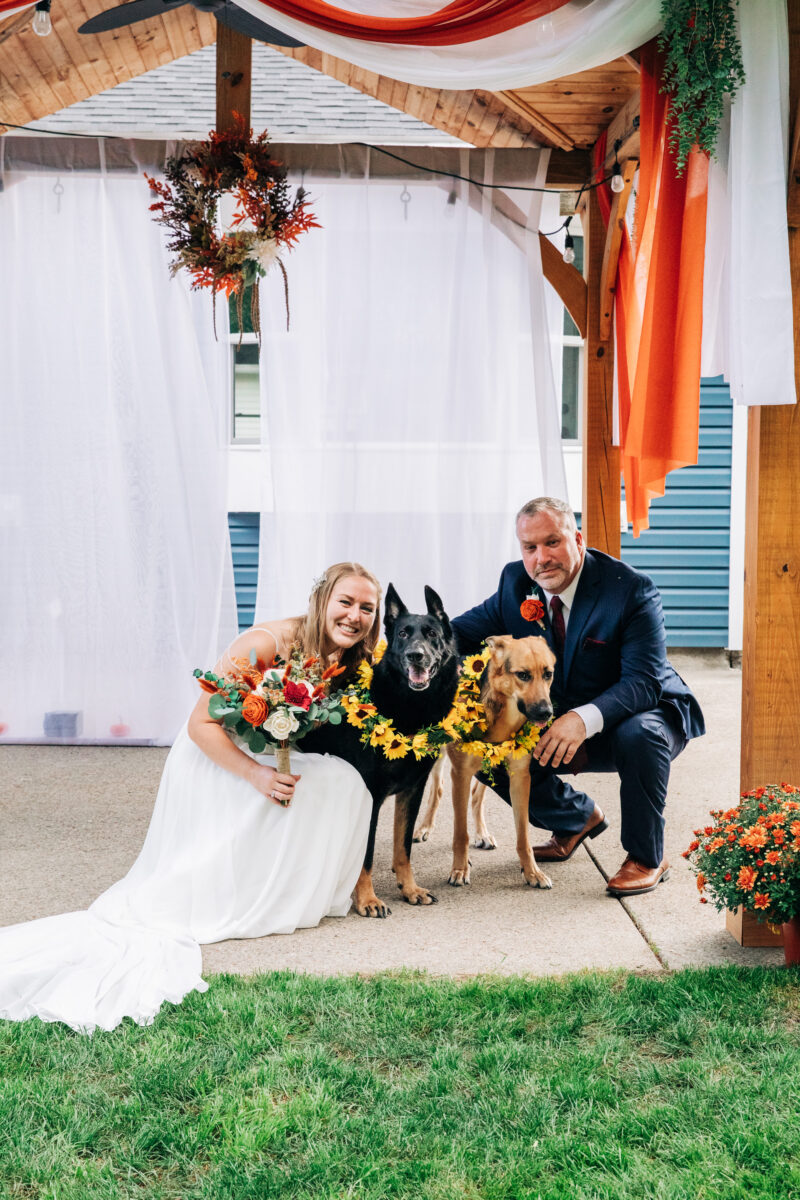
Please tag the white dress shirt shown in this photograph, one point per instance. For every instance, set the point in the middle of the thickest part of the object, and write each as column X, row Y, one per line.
column 589, row 713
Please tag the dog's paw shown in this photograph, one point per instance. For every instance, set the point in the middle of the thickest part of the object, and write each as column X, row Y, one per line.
column 484, row 841
column 418, row 895
column 459, row 878
column 423, row 833
column 537, row 878
column 373, row 908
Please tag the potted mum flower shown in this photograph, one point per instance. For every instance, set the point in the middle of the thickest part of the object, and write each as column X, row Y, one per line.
column 750, row 857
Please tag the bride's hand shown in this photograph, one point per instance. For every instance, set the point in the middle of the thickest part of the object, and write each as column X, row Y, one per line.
column 274, row 786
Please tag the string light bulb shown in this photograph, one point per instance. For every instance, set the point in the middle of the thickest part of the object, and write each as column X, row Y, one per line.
column 41, row 24
column 569, row 249
column 617, row 182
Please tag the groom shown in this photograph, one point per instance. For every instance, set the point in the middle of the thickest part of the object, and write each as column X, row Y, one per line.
column 623, row 707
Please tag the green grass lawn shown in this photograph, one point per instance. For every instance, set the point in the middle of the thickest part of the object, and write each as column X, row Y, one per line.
column 595, row 1085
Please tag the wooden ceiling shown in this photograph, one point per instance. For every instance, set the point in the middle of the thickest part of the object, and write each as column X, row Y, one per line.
column 39, row 76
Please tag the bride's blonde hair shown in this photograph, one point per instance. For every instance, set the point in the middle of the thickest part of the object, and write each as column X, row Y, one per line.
column 309, row 632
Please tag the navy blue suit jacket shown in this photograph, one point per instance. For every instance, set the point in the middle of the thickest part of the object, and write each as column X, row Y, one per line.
column 615, row 650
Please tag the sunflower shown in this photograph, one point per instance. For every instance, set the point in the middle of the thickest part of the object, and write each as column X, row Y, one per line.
column 365, row 675
column 380, row 733
column 379, row 651
column 396, row 746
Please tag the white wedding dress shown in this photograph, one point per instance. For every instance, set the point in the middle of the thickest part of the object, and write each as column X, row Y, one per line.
column 219, row 861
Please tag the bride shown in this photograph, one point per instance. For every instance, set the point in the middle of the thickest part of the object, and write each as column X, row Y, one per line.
column 234, row 849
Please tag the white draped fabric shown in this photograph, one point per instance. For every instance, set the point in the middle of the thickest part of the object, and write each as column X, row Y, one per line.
column 410, row 411
column 218, row 862
column 748, row 316
column 581, row 35
column 116, row 562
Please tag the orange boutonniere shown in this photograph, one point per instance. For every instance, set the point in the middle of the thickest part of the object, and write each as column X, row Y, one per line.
column 532, row 609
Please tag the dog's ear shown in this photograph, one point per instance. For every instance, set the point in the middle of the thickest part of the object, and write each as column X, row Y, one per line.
column 393, row 607
column 498, row 644
column 434, row 603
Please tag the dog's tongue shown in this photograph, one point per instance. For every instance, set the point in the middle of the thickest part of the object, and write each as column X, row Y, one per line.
column 418, row 675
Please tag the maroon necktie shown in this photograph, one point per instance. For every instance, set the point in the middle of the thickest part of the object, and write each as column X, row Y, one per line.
column 557, row 623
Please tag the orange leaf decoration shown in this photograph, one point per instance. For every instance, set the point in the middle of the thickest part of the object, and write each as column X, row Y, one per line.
column 532, row 609
column 208, row 686
column 333, row 671
column 254, row 709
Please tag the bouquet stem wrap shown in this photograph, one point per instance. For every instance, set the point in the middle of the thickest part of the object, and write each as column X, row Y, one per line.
column 284, row 759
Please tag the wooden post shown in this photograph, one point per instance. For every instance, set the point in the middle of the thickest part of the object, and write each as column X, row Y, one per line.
column 600, row 520
column 234, row 77
column 771, row 652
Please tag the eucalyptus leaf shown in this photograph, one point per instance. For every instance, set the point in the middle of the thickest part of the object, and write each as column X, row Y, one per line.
column 335, row 717
column 258, row 743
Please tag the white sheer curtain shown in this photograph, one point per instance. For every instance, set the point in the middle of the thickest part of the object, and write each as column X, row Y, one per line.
column 410, row 410
column 116, row 564
column 748, row 332
column 581, row 35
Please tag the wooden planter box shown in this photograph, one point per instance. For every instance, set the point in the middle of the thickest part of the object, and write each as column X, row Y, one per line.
column 749, row 931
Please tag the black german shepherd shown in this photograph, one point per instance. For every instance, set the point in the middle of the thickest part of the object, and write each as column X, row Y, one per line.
column 414, row 685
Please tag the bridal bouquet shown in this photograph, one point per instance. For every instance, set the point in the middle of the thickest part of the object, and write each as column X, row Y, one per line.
column 272, row 706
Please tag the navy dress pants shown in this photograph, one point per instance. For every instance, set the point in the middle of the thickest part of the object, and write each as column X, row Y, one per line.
column 640, row 750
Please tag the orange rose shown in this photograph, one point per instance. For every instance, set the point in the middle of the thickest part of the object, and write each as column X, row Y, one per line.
column 254, row 709
column 532, row 609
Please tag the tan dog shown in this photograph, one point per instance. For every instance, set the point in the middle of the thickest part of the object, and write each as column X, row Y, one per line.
column 515, row 689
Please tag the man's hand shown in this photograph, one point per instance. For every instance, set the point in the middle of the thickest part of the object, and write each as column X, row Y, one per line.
column 559, row 743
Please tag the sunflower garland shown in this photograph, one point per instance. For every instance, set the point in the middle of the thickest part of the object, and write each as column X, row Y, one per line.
column 463, row 725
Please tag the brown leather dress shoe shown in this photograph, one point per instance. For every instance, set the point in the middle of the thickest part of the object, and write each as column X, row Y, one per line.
column 562, row 846
column 634, row 877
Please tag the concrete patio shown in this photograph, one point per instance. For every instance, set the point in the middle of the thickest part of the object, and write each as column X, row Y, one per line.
column 74, row 819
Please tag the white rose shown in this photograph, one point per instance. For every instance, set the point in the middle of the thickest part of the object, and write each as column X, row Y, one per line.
column 281, row 723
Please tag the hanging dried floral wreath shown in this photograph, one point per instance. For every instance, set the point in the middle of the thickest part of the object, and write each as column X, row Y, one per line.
column 266, row 218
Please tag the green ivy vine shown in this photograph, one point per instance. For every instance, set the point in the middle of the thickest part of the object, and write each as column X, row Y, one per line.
column 703, row 64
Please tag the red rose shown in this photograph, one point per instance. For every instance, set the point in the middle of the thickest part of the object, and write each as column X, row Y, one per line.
column 532, row 609
column 297, row 695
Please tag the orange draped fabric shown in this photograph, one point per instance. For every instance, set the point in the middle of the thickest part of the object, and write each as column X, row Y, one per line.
column 659, row 306
column 456, row 23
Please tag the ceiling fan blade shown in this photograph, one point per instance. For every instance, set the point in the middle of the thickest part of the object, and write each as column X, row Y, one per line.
column 236, row 18
column 128, row 14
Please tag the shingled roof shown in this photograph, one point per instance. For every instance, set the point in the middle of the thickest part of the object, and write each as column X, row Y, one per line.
column 293, row 101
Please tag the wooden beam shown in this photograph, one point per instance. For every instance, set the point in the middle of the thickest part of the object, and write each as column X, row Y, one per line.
column 234, row 77
column 600, row 518
column 15, row 24
column 568, row 170
column 625, row 130
column 793, row 194
column 616, row 226
column 771, row 651
column 550, row 133
column 567, row 281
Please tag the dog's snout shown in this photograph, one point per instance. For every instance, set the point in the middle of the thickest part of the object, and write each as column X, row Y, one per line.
column 540, row 712
column 416, row 657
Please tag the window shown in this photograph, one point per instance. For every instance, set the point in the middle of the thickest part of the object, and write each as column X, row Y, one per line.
column 245, row 417
column 571, row 363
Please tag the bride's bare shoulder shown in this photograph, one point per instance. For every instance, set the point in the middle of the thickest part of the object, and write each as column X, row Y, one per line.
column 266, row 639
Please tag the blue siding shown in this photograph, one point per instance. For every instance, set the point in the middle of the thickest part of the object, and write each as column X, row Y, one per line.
column 244, row 528
column 686, row 550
